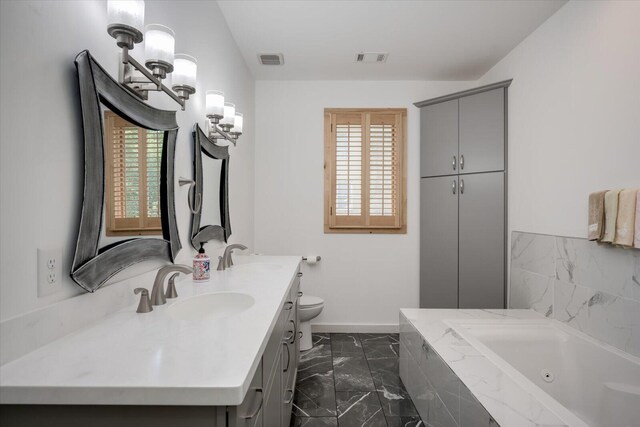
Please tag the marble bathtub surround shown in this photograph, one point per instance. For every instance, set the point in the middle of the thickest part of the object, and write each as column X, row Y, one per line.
column 352, row 380
column 594, row 288
column 453, row 384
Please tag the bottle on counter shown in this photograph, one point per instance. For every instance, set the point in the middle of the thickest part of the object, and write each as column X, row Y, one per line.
column 201, row 266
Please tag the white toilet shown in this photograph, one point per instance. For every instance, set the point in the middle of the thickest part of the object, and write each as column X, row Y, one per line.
column 309, row 307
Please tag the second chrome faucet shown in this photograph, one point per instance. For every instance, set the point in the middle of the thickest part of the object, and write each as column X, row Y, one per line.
column 225, row 260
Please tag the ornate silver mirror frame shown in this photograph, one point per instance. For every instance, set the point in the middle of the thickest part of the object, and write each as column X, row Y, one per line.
column 202, row 145
column 93, row 266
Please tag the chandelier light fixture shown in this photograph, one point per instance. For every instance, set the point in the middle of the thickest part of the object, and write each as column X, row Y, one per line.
column 125, row 24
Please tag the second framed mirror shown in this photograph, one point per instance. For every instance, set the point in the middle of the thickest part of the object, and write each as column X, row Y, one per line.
column 210, row 220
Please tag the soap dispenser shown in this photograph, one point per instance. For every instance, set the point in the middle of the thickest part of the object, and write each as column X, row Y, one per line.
column 201, row 266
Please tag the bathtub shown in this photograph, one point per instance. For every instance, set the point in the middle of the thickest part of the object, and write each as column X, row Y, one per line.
column 584, row 382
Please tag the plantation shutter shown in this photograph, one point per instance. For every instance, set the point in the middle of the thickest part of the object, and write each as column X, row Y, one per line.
column 364, row 170
column 133, row 156
column 348, row 177
column 384, row 169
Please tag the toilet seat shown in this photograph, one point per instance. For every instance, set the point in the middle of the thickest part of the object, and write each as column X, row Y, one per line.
column 307, row 301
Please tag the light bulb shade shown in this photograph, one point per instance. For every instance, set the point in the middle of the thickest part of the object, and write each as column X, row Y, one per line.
column 229, row 114
column 125, row 21
column 237, row 123
column 159, row 44
column 126, row 12
column 184, row 72
column 214, row 103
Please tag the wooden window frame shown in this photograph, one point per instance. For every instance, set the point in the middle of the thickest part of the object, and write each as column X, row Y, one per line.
column 142, row 226
column 364, row 224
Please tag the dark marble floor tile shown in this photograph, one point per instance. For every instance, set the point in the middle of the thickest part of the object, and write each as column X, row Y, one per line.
column 376, row 351
column 314, row 421
column 320, row 338
column 379, row 338
column 316, row 353
column 405, row 422
column 396, row 401
column 345, row 345
column 315, row 392
column 352, row 373
column 385, row 372
column 358, row 409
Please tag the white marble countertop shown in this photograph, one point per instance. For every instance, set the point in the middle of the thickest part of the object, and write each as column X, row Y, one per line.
column 507, row 402
column 155, row 359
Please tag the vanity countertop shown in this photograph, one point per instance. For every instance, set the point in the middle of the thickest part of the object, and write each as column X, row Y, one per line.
column 155, row 359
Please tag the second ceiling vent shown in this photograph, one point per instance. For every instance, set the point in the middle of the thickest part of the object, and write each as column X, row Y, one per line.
column 372, row 57
column 271, row 58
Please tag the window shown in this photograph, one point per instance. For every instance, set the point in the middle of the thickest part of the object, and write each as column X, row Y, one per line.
column 364, row 171
column 133, row 160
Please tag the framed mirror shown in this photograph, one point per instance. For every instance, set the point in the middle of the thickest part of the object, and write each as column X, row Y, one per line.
column 211, row 170
column 128, row 209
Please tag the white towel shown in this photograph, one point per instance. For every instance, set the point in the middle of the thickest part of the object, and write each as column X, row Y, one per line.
column 610, row 215
column 625, row 222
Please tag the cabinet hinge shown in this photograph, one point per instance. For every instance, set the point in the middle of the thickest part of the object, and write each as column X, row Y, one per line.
column 331, row 210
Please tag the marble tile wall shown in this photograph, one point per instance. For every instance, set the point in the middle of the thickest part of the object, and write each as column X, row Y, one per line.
column 591, row 287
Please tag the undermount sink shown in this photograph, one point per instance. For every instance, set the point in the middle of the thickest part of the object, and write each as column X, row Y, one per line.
column 256, row 266
column 211, row 306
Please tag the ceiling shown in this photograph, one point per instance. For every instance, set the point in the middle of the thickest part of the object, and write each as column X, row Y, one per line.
column 426, row 40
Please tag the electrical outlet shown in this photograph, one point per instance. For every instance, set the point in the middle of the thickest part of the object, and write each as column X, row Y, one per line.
column 49, row 276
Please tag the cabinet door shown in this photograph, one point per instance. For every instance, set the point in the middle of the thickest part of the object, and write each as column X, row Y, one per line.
column 249, row 413
column 439, row 242
column 439, row 139
column 272, row 411
column 482, row 241
column 482, row 132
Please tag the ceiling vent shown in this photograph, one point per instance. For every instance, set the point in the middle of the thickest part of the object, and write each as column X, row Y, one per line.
column 271, row 58
column 372, row 57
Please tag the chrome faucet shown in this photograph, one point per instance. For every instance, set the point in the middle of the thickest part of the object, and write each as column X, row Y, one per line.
column 225, row 260
column 158, row 296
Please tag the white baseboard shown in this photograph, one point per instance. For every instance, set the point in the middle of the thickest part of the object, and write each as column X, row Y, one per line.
column 354, row 328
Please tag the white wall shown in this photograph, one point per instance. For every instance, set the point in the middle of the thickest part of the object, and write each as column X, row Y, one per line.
column 574, row 114
column 364, row 279
column 41, row 129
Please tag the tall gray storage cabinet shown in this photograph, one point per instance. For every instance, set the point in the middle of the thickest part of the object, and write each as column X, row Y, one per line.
column 463, row 147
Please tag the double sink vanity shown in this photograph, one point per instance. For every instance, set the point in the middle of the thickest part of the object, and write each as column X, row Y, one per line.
column 224, row 353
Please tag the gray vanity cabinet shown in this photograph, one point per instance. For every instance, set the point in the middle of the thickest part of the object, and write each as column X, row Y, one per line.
column 462, row 199
column 482, row 132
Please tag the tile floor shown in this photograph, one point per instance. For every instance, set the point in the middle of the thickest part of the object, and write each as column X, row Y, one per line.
column 349, row 380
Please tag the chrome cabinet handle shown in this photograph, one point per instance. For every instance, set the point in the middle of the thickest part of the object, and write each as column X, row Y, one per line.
column 290, row 399
column 295, row 330
column 453, row 163
column 461, row 161
column 300, row 274
column 454, row 184
column 300, row 293
column 288, row 337
column 288, row 357
column 462, row 186
column 288, row 305
column 254, row 413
